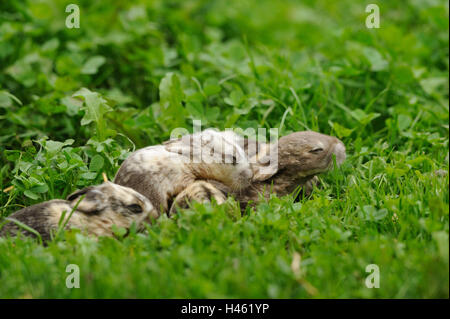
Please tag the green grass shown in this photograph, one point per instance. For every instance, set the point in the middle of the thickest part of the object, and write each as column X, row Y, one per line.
column 75, row 102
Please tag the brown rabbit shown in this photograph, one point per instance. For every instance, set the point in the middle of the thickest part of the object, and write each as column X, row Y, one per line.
column 103, row 206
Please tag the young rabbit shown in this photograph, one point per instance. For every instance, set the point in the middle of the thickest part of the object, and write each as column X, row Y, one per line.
column 160, row 172
column 300, row 156
column 202, row 192
column 103, row 206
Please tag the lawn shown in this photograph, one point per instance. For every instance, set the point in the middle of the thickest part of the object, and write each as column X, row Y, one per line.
column 74, row 102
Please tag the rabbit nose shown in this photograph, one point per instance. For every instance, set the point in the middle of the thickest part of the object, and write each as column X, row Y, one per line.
column 339, row 151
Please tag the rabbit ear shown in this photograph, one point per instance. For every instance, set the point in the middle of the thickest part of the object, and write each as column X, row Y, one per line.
column 93, row 202
column 168, row 142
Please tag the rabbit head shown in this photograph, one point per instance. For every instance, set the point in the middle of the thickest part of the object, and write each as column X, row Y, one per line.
column 300, row 154
column 119, row 202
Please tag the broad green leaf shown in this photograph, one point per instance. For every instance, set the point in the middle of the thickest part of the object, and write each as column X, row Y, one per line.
column 171, row 110
column 362, row 117
column 89, row 175
column 340, row 130
column 118, row 231
column 376, row 60
column 441, row 239
column 370, row 213
column 72, row 105
column 170, row 90
column 30, row 194
column 431, row 85
column 97, row 163
column 50, row 45
column 40, row 188
column 195, row 109
column 396, row 172
column 53, row 147
column 211, row 86
column 404, row 121
column 93, row 64
column 235, row 98
column 212, row 113
column 6, row 99
column 94, row 106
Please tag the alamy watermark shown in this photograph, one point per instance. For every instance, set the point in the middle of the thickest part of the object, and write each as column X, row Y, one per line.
column 73, row 19
column 73, row 279
column 373, row 279
column 373, row 19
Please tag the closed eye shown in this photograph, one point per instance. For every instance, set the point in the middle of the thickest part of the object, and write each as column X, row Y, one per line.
column 316, row 150
column 135, row 208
